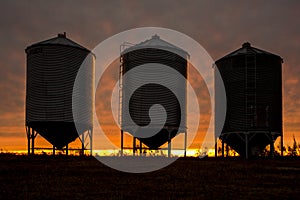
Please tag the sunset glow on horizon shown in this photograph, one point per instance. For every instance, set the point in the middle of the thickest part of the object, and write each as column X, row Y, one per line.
column 270, row 26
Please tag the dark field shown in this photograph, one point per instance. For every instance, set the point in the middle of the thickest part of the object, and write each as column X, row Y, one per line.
column 60, row 177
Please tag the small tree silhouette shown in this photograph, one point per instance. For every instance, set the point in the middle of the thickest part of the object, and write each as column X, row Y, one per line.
column 294, row 150
column 227, row 150
column 219, row 150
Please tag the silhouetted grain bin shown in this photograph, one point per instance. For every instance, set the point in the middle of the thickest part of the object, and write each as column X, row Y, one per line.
column 52, row 66
column 154, row 51
column 253, row 85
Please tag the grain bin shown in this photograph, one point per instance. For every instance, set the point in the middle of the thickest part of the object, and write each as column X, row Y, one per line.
column 154, row 52
column 52, row 66
column 253, row 84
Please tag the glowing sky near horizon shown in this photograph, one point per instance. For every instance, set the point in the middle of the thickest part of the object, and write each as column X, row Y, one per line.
column 220, row 27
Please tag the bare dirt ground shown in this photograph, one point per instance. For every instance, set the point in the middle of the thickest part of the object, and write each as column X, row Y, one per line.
column 61, row 177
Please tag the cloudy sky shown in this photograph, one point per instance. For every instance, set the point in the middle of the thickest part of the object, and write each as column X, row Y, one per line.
column 219, row 26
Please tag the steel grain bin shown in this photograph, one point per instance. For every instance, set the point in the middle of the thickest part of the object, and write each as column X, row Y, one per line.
column 52, row 66
column 155, row 52
column 253, row 83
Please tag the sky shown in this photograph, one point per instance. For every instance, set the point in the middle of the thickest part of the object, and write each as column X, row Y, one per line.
column 219, row 26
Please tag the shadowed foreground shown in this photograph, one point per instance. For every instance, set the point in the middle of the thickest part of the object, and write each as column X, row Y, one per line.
column 60, row 177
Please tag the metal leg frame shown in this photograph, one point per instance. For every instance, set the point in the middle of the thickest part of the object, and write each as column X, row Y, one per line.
column 31, row 135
